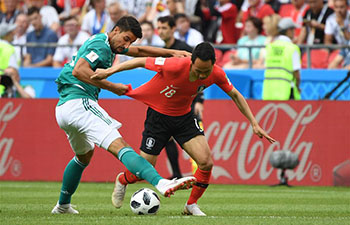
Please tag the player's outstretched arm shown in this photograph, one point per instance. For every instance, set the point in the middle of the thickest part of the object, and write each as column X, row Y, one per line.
column 83, row 72
column 101, row 74
column 243, row 106
column 144, row 51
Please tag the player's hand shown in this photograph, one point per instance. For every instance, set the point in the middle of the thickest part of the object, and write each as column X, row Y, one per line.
column 261, row 133
column 181, row 54
column 120, row 89
column 100, row 74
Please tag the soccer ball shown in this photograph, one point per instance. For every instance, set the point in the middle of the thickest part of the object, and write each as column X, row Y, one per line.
column 144, row 201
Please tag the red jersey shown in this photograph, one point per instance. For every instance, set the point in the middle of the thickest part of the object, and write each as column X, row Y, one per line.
column 170, row 91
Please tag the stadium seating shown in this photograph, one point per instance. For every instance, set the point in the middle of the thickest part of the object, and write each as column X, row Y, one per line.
column 226, row 57
column 319, row 59
column 331, row 57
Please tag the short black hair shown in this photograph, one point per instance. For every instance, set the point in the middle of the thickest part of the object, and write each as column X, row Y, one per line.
column 33, row 10
column 204, row 51
column 167, row 19
column 129, row 23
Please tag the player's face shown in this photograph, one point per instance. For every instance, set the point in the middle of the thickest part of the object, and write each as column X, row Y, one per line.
column 201, row 69
column 121, row 40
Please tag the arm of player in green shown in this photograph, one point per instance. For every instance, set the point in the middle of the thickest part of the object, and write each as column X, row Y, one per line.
column 127, row 65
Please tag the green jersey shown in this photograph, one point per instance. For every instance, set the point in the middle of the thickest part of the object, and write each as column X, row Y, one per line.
column 97, row 52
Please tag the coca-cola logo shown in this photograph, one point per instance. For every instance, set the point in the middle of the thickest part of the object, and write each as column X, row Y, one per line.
column 7, row 113
column 227, row 142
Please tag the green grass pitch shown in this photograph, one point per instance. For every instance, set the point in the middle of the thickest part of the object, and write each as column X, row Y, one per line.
column 31, row 203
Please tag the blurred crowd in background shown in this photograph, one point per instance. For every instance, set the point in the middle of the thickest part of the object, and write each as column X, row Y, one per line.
column 237, row 22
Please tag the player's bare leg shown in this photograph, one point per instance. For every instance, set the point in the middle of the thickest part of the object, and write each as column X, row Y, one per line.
column 199, row 151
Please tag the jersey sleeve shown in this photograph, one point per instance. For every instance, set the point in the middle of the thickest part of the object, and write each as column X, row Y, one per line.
column 96, row 54
column 162, row 65
column 222, row 80
column 155, row 64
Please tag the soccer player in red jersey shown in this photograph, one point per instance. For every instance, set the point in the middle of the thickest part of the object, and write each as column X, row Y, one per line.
column 169, row 95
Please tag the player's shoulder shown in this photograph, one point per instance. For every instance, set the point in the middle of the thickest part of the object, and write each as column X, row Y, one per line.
column 171, row 61
column 99, row 39
column 176, row 62
column 98, row 43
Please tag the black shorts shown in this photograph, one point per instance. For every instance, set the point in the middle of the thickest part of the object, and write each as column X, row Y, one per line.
column 159, row 128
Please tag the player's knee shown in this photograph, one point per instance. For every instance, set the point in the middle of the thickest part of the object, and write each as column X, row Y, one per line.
column 206, row 164
column 117, row 145
column 86, row 158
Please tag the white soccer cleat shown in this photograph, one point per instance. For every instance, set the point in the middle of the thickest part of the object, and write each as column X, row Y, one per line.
column 193, row 210
column 62, row 209
column 168, row 187
column 118, row 192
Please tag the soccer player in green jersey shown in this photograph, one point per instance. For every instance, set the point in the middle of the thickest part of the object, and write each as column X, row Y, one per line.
column 87, row 124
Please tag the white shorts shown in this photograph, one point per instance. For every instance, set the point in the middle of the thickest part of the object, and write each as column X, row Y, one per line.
column 86, row 124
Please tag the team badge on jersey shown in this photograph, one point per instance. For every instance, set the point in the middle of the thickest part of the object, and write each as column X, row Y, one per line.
column 150, row 143
column 201, row 88
column 92, row 56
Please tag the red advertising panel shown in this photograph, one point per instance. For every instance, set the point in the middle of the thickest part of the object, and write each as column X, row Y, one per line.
column 33, row 147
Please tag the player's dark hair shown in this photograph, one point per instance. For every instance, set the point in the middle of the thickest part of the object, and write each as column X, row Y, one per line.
column 167, row 19
column 204, row 51
column 33, row 10
column 129, row 23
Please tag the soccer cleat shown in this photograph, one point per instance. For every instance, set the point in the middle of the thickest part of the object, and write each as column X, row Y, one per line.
column 168, row 187
column 118, row 192
column 62, row 209
column 193, row 210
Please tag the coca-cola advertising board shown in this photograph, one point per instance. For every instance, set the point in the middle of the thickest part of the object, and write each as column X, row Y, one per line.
column 33, row 147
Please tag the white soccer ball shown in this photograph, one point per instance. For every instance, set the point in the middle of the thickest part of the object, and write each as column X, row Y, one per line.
column 144, row 201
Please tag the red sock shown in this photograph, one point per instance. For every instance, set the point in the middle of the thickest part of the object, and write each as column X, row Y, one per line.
column 128, row 178
column 200, row 186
